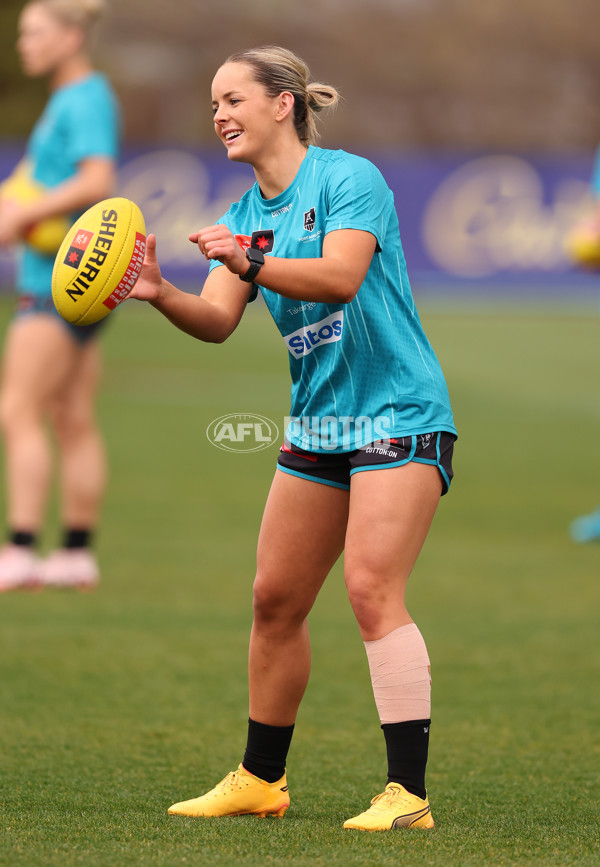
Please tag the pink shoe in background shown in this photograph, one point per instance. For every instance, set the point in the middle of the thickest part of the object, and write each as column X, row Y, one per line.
column 19, row 568
column 70, row 568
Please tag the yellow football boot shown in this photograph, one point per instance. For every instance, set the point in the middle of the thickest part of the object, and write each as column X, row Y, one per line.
column 394, row 808
column 239, row 794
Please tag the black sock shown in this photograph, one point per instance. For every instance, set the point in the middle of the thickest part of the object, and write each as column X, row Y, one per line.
column 266, row 750
column 21, row 538
column 77, row 538
column 407, row 746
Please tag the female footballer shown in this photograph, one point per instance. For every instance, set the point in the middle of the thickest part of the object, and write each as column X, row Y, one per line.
column 51, row 369
column 368, row 452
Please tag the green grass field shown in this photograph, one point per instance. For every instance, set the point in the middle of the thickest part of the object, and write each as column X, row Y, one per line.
column 115, row 704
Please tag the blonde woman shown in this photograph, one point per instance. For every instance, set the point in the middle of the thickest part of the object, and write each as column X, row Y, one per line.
column 368, row 451
column 50, row 369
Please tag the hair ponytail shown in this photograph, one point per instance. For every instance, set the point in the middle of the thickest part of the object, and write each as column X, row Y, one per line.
column 319, row 96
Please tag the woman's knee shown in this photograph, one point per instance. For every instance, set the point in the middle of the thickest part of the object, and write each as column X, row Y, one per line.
column 71, row 423
column 372, row 595
column 5, row 413
column 273, row 605
column 17, row 412
column 365, row 605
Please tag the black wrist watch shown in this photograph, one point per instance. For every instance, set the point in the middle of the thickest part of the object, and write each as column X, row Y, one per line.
column 257, row 260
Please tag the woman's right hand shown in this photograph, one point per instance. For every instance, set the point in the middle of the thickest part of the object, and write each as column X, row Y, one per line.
column 149, row 285
column 13, row 223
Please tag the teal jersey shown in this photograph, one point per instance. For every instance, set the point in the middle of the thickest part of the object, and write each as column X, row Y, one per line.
column 363, row 370
column 595, row 181
column 79, row 121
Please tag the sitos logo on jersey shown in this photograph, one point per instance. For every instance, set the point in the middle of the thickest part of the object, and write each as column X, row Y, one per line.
column 304, row 340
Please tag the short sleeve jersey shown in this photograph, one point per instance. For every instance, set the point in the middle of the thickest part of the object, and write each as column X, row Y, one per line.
column 80, row 120
column 365, row 367
column 595, row 181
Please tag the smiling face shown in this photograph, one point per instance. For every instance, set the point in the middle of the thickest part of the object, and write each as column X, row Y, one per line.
column 246, row 118
column 44, row 43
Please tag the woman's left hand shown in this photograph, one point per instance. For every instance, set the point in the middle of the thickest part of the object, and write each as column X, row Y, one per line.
column 217, row 242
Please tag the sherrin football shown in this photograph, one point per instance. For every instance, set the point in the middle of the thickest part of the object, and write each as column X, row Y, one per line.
column 583, row 246
column 46, row 235
column 99, row 261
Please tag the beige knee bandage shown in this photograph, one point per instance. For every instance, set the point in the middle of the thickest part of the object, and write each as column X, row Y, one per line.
column 400, row 674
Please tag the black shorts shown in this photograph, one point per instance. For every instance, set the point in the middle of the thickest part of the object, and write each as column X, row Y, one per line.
column 28, row 304
column 336, row 468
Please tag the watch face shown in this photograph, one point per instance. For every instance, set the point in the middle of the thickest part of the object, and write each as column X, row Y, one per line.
column 255, row 256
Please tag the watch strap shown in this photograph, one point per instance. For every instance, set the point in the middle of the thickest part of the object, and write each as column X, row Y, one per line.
column 251, row 273
column 257, row 260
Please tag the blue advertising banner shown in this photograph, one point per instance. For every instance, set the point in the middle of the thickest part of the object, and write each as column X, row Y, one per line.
column 481, row 222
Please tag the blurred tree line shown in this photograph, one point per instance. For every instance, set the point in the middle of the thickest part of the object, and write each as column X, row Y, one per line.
column 415, row 74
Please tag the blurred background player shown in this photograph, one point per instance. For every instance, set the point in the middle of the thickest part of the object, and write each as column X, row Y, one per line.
column 51, row 369
column 585, row 250
column 586, row 528
column 328, row 218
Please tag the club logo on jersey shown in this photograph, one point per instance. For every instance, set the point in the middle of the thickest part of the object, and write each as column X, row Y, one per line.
column 263, row 241
column 244, row 241
column 309, row 220
column 304, row 340
column 78, row 248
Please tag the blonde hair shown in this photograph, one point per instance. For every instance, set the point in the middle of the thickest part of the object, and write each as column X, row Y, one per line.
column 74, row 13
column 279, row 70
